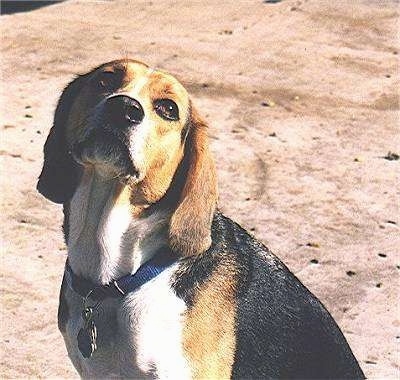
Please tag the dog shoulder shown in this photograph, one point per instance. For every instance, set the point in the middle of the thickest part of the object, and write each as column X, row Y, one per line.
column 248, row 316
column 277, row 317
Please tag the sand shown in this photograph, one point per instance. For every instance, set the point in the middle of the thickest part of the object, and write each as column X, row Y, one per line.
column 303, row 105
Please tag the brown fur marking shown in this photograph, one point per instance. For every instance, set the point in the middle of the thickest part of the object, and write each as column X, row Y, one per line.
column 190, row 227
column 209, row 332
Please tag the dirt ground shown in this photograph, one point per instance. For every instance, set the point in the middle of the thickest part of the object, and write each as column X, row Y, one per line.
column 303, row 105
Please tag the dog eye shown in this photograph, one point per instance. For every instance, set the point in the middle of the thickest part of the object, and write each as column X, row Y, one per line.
column 167, row 109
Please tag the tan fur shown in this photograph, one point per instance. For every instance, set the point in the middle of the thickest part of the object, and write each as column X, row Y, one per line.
column 190, row 228
column 164, row 151
column 122, row 198
column 209, row 332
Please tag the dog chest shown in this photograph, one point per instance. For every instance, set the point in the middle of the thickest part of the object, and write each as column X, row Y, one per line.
column 140, row 335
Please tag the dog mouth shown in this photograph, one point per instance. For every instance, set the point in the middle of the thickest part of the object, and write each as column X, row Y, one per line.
column 108, row 153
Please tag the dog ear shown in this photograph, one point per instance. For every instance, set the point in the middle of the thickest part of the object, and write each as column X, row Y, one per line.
column 190, row 226
column 59, row 176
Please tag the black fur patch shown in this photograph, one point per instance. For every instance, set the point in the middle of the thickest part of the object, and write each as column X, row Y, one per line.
column 63, row 310
column 283, row 331
column 60, row 173
column 65, row 226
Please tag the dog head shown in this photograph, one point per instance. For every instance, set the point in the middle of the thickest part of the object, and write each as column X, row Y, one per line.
column 138, row 126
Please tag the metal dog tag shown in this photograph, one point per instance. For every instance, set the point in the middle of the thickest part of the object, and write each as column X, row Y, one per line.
column 88, row 334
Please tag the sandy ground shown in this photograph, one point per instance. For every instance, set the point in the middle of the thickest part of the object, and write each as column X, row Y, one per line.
column 302, row 101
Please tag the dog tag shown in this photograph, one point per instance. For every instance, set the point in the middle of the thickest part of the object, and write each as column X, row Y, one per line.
column 88, row 334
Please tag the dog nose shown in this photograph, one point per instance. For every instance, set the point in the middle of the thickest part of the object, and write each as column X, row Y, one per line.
column 123, row 111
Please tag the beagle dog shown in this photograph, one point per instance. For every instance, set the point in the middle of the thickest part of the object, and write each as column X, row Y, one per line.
column 158, row 283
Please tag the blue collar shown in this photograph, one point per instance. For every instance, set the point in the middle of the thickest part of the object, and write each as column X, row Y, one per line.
column 124, row 285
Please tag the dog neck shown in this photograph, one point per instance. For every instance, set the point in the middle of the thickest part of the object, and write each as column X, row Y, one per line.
column 108, row 236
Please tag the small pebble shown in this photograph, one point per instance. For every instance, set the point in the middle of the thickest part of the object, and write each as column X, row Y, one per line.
column 313, row 244
column 28, row 116
column 382, row 255
column 350, row 273
column 314, row 261
column 379, row 285
column 269, row 103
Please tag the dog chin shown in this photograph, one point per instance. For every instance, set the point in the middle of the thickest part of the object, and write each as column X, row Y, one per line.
column 109, row 157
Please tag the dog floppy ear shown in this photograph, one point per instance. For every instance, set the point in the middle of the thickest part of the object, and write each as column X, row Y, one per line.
column 59, row 176
column 190, row 226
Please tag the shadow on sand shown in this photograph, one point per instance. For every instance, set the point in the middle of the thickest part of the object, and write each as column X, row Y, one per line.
column 15, row 6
